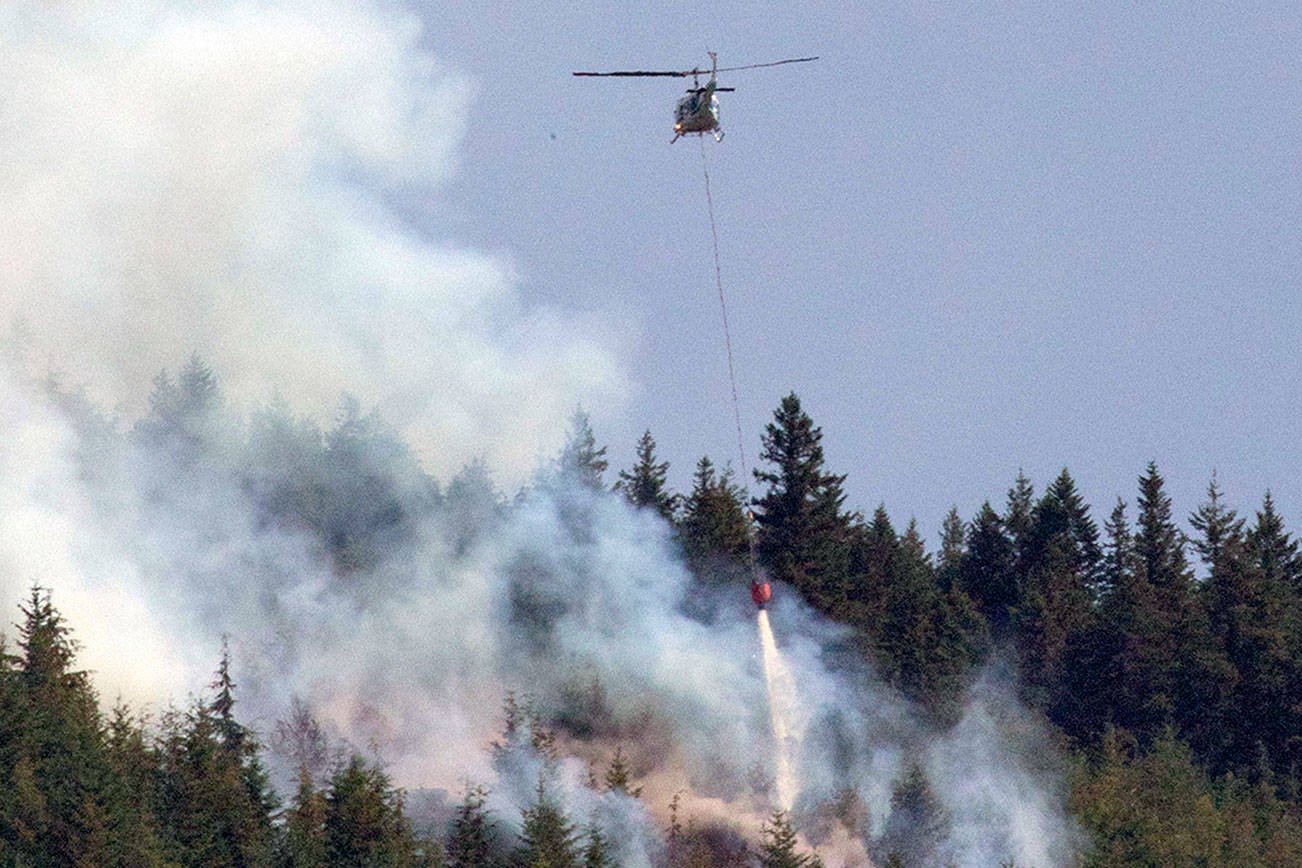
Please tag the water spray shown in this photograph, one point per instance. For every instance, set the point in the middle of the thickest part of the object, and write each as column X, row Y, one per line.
column 777, row 677
column 782, row 701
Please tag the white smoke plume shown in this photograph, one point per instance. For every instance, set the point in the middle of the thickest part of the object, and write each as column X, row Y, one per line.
column 212, row 177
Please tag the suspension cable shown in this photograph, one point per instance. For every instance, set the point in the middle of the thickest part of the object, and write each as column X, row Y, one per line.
column 732, row 374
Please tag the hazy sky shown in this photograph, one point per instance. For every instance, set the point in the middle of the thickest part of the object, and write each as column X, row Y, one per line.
column 972, row 237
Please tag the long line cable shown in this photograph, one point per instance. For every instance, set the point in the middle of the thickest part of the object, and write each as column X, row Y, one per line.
column 732, row 372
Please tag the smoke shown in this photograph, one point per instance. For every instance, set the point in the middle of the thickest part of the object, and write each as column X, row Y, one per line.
column 214, row 177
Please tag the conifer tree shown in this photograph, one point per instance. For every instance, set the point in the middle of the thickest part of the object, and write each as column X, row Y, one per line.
column 778, row 849
column 921, row 637
column 133, row 836
column 1219, row 528
column 581, row 461
column 803, row 536
column 644, row 485
column 714, row 528
column 986, row 572
column 1055, row 610
column 619, row 776
column 214, row 802
column 953, row 542
column 184, row 416
column 1275, row 554
column 918, row 824
column 1017, row 518
column 872, row 552
column 548, row 838
column 471, row 843
column 55, row 813
column 303, row 836
column 1254, row 614
column 365, row 824
column 596, row 853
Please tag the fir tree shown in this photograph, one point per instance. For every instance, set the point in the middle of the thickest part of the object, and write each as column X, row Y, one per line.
column 619, row 777
column 54, row 813
column 778, row 849
column 1219, row 528
column 581, row 461
column 803, row 534
column 548, row 838
column 1018, row 517
column 715, row 528
column 986, row 572
column 872, row 551
column 644, row 485
column 596, row 853
column 303, row 836
column 917, row 825
column 470, row 844
column 1055, row 607
column 133, row 835
column 1276, row 555
column 1159, row 546
column 953, row 543
column 365, row 824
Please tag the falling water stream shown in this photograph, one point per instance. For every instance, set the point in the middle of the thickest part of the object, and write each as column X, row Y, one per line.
column 782, row 696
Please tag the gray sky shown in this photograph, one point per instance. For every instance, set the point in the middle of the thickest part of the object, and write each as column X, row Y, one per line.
column 972, row 237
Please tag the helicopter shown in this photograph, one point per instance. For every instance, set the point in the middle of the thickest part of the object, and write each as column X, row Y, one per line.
column 698, row 112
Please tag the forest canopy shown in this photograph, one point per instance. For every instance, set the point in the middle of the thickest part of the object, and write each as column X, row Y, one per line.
column 1163, row 655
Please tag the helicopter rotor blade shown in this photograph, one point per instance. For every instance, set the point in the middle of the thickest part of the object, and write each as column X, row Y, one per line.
column 773, row 63
column 645, row 72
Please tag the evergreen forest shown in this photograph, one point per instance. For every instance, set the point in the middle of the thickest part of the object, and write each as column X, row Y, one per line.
column 1158, row 645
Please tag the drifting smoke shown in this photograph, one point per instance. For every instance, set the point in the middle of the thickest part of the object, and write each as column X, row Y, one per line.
column 211, row 177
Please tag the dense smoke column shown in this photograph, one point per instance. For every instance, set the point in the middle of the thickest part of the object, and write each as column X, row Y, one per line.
column 781, row 692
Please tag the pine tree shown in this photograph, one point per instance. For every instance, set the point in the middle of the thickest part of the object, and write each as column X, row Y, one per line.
column 596, row 854
column 1276, row 555
column 472, row 507
column 184, row 416
column 133, row 836
column 548, row 839
column 303, row 836
column 921, row 634
column 1159, row 545
column 1018, row 518
column 581, row 461
column 872, row 550
column 953, row 544
column 1219, row 527
column 804, row 536
column 1055, row 607
column 986, row 572
column 619, row 776
column 364, row 821
column 1061, row 527
column 778, row 849
column 55, row 813
column 1254, row 614
column 471, row 843
column 644, row 485
column 715, row 529
column 213, row 800
column 918, row 824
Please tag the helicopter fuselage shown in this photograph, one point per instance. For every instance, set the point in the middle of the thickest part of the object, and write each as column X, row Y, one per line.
column 698, row 112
